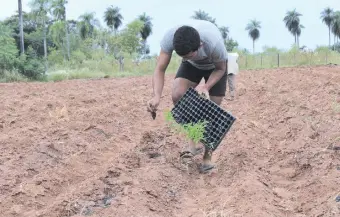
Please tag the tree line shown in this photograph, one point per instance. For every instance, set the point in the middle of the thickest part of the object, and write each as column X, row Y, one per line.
column 291, row 21
column 35, row 40
column 44, row 36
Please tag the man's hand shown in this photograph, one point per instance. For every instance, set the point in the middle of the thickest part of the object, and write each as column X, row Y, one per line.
column 153, row 104
column 203, row 90
column 216, row 75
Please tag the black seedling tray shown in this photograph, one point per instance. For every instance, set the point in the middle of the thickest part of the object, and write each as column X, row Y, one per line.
column 193, row 108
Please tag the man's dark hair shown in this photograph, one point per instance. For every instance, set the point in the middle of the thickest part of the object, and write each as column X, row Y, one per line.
column 186, row 40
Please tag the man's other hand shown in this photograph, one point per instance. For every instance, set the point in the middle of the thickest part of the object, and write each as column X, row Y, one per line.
column 153, row 104
column 203, row 90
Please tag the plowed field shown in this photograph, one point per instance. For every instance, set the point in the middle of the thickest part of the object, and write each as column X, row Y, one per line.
column 89, row 148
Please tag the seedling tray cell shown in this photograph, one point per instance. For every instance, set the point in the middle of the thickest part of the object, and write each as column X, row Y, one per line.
column 193, row 108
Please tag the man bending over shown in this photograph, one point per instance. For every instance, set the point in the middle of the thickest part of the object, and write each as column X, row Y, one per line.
column 201, row 46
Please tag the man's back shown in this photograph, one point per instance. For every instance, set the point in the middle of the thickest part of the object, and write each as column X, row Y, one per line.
column 213, row 49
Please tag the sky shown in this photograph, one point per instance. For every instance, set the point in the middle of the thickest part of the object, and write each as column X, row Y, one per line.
column 234, row 14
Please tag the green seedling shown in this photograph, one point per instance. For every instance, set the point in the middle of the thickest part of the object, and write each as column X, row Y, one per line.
column 192, row 131
column 196, row 131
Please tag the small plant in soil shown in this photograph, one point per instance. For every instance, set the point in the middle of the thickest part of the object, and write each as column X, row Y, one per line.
column 192, row 131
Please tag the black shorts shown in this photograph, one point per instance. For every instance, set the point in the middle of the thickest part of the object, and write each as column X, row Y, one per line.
column 188, row 71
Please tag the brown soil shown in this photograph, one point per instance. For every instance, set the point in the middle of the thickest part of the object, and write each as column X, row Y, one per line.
column 89, row 148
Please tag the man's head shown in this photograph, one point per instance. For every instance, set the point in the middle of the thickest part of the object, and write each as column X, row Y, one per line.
column 186, row 42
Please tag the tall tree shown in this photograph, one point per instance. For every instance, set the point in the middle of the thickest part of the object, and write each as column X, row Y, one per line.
column 57, row 34
column 253, row 28
column 41, row 9
column 30, row 27
column 130, row 37
column 59, row 12
column 224, row 31
column 202, row 15
column 146, row 31
column 126, row 41
column 292, row 22
column 113, row 18
column 8, row 48
column 230, row 44
column 87, row 24
column 298, row 33
column 147, row 27
column 327, row 16
column 336, row 27
column 21, row 28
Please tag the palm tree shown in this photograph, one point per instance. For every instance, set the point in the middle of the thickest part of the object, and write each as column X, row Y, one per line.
column 292, row 22
column 59, row 12
column 59, row 9
column 327, row 16
column 146, row 30
column 224, row 31
column 298, row 33
column 21, row 28
column 87, row 24
column 336, row 26
column 57, row 34
column 253, row 29
column 202, row 15
column 113, row 18
column 40, row 10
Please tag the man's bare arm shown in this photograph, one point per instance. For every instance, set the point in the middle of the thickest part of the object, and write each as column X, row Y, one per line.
column 217, row 74
column 159, row 73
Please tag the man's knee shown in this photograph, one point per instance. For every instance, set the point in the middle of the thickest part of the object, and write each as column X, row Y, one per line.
column 179, row 88
column 176, row 95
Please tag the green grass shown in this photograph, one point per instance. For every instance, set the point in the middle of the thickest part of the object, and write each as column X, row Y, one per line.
column 109, row 67
column 13, row 76
column 105, row 68
column 192, row 131
column 287, row 59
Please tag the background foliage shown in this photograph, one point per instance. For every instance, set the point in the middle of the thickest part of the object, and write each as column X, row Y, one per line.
column 42, row 44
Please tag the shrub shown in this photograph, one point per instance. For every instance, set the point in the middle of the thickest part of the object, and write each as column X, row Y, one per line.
column 30, row 67
column 8, row 49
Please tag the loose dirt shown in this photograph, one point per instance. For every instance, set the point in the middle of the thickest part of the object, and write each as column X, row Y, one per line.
column 89, row 148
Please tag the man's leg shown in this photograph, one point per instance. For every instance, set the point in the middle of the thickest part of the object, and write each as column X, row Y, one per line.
column 217, row 93
column 208, row 153
column 179, row 87
column 207, row 157
column 187, row 76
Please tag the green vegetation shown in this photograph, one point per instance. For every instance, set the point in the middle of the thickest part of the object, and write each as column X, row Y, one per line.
column 272, row 57
column 42, row 44
column 8, row 49
column 191, row 131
